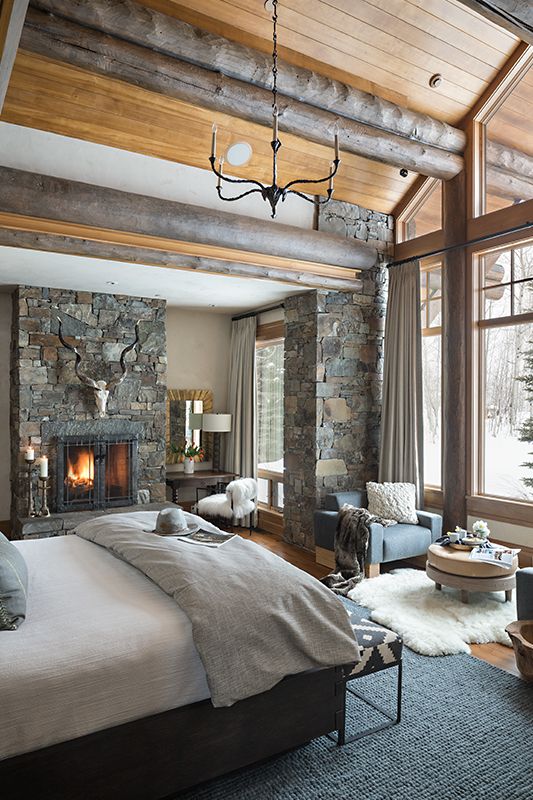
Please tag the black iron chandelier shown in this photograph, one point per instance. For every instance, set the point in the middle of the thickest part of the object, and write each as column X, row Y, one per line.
column 273, row 193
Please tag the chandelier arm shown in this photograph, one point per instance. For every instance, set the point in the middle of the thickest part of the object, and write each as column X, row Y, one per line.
column 319, row 180
column 230, row 199
column 233, row 180
column 311, row 199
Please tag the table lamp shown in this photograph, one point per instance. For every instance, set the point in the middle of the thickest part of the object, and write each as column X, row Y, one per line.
column 216, row 424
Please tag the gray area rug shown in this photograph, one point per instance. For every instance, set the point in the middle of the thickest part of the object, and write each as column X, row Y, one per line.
column 466, row 734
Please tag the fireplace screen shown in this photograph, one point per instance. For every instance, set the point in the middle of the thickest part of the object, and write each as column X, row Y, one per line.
column 97, row 472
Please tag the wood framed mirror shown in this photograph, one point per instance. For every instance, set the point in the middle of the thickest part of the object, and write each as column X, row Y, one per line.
column 181, row 403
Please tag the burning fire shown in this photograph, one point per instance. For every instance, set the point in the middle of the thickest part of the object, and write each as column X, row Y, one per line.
column 80, row 470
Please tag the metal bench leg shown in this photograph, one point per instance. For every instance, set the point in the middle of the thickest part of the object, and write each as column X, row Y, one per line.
column 393, row 719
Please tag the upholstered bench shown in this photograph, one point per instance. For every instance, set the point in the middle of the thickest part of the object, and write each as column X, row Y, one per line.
column 380, row 649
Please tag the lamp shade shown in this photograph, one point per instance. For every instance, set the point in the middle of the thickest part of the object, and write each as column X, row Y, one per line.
column 216, row 423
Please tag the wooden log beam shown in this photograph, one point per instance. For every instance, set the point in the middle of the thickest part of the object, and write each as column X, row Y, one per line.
column 12, row 16
column 454, row 355
column 169, row 36
column 130, row 254
column 97, row 52
column 32, row 195
column 515, row 16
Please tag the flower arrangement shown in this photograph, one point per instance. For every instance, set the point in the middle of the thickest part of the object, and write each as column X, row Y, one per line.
column 481, row 529
column 189, row 450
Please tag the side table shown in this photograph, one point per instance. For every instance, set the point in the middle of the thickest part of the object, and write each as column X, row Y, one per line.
column 203, row 479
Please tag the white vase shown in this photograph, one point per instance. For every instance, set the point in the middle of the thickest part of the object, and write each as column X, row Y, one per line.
column 188, row 466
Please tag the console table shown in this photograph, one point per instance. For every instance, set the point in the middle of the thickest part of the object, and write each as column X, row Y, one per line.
column 201, row 479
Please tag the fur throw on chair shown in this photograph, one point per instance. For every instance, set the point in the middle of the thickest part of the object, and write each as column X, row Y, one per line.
column 351, row 545
column 238, row 501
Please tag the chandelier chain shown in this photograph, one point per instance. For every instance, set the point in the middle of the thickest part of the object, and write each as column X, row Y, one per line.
column 275, row 58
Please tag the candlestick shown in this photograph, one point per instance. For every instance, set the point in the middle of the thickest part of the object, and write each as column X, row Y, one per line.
column 31, row 504
column 43, row 467
column 336, row 146
column 214, row 140
column 330, row 185
column 275, row 126
column 220, row 167
column 45, row 511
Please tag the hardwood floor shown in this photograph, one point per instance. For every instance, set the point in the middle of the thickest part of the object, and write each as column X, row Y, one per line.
column 493, row 653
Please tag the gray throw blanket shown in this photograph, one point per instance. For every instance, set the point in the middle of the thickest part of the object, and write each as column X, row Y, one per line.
column 255, row 618
column 351, row 545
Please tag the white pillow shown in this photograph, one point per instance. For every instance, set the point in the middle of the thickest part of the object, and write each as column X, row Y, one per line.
column 393, row 501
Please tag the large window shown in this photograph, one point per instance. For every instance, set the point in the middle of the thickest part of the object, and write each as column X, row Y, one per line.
column 269, row 369
column 431, row 309
column 423, row 214
column 505, row 355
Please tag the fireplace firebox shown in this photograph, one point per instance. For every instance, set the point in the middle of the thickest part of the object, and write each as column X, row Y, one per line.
column 96, row 472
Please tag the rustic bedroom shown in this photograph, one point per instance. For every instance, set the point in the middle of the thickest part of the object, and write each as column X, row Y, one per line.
column 266, row 339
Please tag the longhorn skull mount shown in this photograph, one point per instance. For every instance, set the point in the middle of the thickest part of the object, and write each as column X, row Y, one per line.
column 101, row 388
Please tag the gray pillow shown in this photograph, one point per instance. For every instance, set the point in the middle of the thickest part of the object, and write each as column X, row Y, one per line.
column 13, row 586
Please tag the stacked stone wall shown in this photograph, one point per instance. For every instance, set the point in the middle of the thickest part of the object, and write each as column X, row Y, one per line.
column 47, row 396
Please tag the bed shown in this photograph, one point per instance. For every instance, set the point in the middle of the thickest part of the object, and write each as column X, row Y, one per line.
column 103, row 692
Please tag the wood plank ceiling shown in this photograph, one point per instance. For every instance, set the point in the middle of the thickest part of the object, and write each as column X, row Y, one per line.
column 388, row 48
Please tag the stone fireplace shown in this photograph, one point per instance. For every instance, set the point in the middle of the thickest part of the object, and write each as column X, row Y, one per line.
column 95, row 463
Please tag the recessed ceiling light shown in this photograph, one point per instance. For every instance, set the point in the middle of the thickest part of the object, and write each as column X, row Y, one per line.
column 238, row 154
column 435, row 80
column 111, row 283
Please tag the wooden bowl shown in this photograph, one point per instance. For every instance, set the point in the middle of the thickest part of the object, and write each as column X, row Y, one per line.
column 521, row 635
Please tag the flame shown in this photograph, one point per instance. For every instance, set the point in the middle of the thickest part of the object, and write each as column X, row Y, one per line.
column 80, row 469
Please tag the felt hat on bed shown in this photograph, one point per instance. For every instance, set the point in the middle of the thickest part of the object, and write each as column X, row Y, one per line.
column 172, row 522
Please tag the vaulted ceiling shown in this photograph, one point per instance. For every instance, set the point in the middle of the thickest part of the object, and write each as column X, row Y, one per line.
column 390, row 49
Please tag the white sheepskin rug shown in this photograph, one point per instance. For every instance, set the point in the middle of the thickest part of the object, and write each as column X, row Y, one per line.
column 431, row 622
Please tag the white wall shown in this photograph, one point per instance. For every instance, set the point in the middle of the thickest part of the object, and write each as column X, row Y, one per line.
column 198, row 358
column 74, row 159
column 5, row 461
column 198, row 352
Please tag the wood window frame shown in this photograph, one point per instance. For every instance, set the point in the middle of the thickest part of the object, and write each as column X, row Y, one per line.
column 409, row 207
column 433, row 496
column 270, row 514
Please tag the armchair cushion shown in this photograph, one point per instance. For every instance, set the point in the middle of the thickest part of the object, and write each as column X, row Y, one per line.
column 336, row 500
column 405, row 541
column 431, row 521
column 524, row 593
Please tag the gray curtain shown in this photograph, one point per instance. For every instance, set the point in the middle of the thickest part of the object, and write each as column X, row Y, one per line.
column 401, row 456
column 241, row 455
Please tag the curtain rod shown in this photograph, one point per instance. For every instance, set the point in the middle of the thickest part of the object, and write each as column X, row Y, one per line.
column 257, row 312
column 459, row 246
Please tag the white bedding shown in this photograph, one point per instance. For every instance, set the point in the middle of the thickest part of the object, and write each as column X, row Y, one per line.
column 101, row 645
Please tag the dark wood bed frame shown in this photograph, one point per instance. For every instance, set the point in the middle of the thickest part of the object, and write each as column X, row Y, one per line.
column 155, row 757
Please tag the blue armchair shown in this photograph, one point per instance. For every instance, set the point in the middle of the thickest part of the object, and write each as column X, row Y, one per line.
column 524, row 593
column 386, row 544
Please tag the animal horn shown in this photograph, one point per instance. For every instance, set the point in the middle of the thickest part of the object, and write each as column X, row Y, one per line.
column 117, row 381
column 81, row 375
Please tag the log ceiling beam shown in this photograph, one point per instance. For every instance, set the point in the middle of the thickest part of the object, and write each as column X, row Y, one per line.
column 515, row 16
column 92, row 50
column 179, row 227
column 12, row 16
column 149, row 28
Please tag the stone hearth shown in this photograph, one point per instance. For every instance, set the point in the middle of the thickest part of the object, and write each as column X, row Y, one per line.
column 48, row 398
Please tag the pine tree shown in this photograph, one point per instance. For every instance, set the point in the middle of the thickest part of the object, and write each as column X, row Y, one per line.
column 526, row 430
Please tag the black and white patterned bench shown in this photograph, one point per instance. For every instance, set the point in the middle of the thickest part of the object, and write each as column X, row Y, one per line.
column 380, row 649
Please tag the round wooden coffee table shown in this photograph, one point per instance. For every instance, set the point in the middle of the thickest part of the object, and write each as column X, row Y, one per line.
column 455, row 568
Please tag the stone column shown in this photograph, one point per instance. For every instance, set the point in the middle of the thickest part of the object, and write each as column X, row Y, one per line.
column 333, row 370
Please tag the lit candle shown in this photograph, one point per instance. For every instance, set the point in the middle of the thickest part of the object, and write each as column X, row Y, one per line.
column 337, row 146
column 214, row 140
column 43, row 467
column 29, row 455
column 220, row 167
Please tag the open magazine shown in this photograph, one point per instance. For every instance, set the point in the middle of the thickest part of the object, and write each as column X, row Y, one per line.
column 494, row 554
column 208, row 538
